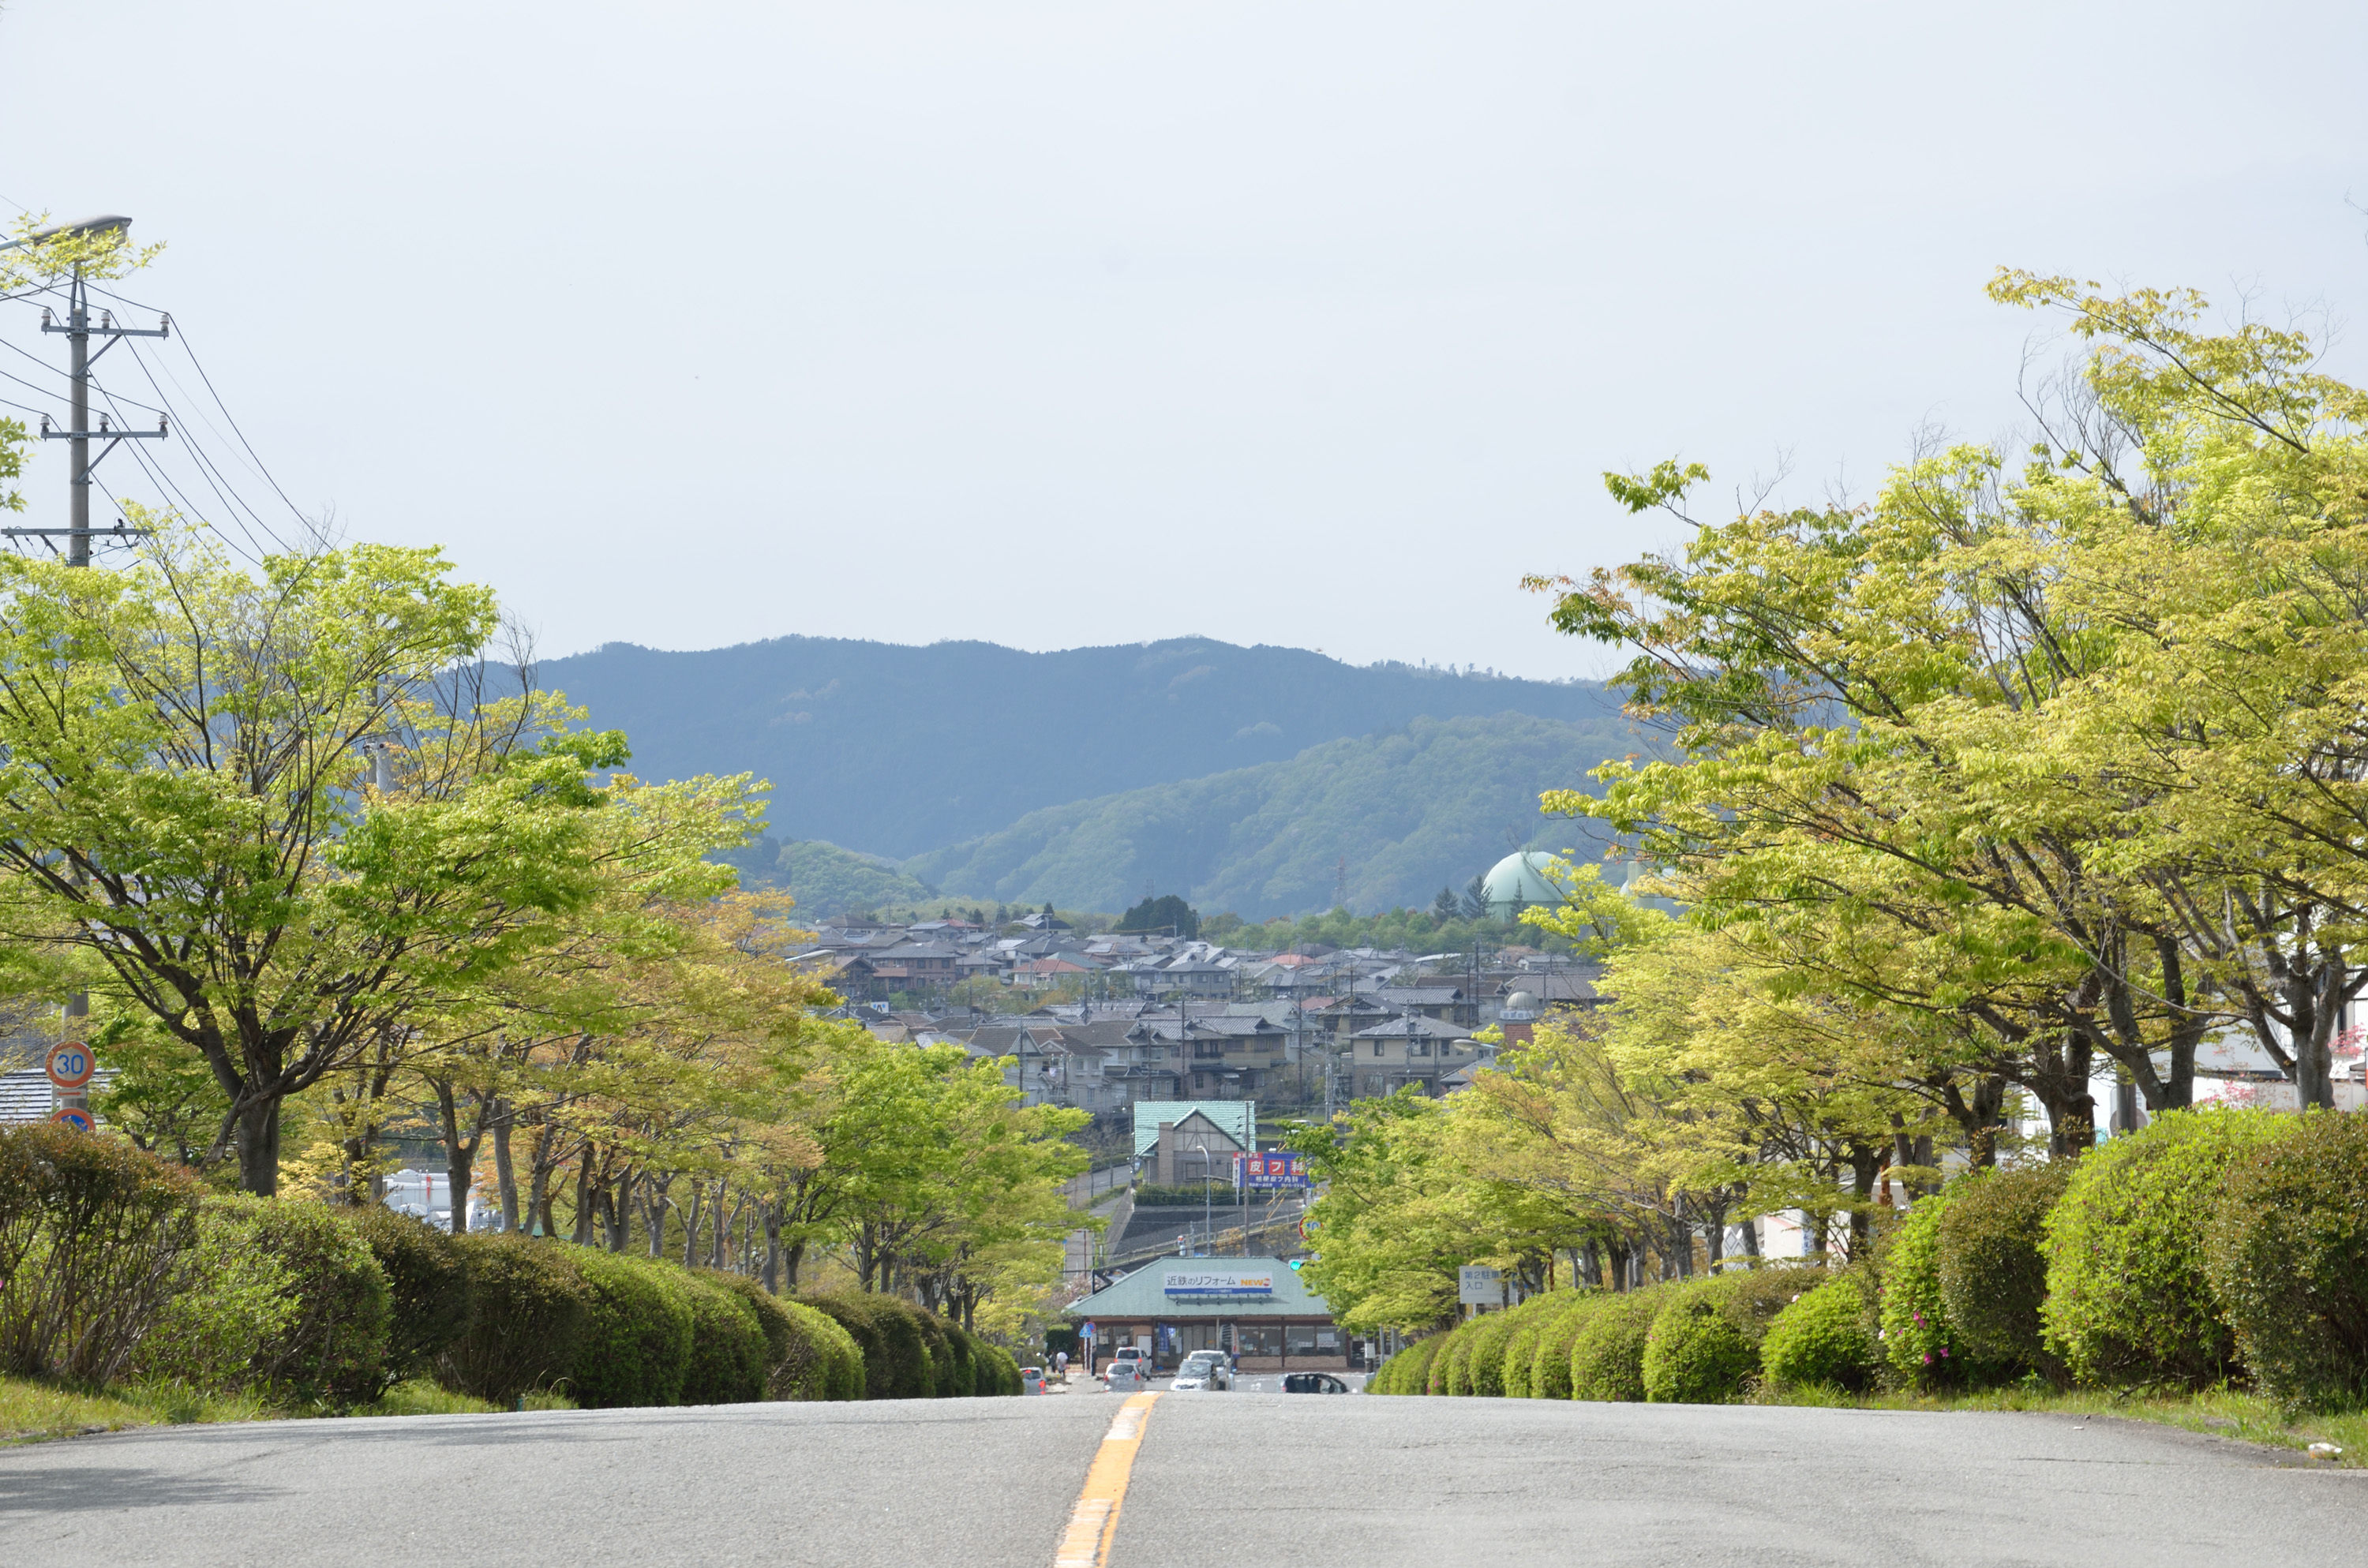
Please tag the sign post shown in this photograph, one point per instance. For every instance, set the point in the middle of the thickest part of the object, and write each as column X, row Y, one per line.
column 1477, row 1287
column 70, row 1065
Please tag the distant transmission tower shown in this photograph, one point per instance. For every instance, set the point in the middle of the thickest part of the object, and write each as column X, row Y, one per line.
column 1340, row 885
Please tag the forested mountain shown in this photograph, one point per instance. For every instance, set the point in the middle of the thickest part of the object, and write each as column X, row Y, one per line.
column 1411, row 810
column 896, row 750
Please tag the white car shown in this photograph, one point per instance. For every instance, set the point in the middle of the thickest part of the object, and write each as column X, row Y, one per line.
column 1203, row 1372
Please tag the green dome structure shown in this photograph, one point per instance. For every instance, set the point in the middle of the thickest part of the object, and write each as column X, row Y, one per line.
column 1518, row 881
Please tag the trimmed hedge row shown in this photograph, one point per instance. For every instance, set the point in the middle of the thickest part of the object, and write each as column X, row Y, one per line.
column 114, row 1265
column 2213, row 1244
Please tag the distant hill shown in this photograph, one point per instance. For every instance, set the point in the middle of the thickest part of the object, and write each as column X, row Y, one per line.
column 823, row 879
column 896, row 750
column 1420, row 808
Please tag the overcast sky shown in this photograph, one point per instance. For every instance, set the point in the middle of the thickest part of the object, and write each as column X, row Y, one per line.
column 1315, row 323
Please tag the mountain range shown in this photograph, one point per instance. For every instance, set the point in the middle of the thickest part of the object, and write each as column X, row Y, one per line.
column 1243, row 776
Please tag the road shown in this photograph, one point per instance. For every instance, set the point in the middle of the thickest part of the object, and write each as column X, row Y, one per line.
column 1283, row 1481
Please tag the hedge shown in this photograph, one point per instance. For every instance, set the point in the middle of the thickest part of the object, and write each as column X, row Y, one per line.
column 1607, row 1354
column 1826, row 1335
column 2128, row 1299
column 1550, row 1367
column 1920, row 1344
column 1703, row 1345
column 908, row 1353
column 1990, row 1264
column 1410, row 1368
column 1451, row 1370
column 332, row 1348
column 529, row 1310
column 427, row 1294
column 2287, row 1255
column 1694, row 1353
column 823, row 1361
column 637, row 1349
column 1485, row 1362
column 96, row 1238
column 730, row 1352
column 238, row 1297
column 1525, row 1322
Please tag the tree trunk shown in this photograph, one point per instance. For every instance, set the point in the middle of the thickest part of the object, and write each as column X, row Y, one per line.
column 583, row 1234
column 690, row 1229
column 653, row 1211
column 1867, row 1163
column 459, row 1154
column 772, row 1249
column 793, row 1258
column 258, row 1149
column 505, row 1174
column 1750, row 1229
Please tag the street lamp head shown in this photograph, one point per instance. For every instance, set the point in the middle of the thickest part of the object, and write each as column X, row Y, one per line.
column 85, row 228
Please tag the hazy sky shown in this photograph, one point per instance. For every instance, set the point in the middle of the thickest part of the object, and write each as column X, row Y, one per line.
column 1315, row 323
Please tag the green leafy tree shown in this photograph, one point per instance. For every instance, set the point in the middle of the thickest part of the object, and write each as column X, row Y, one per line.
column 189, row 819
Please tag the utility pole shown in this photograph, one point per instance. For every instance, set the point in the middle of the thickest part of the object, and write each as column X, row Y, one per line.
column 78, row 331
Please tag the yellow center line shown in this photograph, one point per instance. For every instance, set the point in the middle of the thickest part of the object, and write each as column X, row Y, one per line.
column 1094, row 1521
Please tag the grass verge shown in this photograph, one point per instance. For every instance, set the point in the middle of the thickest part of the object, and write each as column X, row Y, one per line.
column 2247, row 1418
column 33, row 1411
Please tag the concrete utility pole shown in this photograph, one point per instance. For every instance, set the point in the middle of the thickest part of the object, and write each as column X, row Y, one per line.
column 78, row 331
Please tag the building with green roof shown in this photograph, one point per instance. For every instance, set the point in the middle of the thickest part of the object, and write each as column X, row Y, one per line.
column 1258, row 1310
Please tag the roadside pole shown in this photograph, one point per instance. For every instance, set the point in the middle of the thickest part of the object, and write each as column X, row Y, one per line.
column 67, row 1105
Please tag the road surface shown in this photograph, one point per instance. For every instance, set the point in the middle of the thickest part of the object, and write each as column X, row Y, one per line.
column 1281, row 1482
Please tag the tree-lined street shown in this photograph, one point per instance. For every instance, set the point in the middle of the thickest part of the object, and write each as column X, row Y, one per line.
column 1352, row 1483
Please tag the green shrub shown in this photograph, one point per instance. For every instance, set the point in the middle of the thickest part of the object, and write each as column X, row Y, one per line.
column 729, row 1353
column 527, row 1313
column 334, row 1346
column 95, row 1237
column 1550, row 1365
column 938, row 1345
column 1991, row 1266
column 772, row 1315
column 1920, row 1342
column 427, row 1295
column 637, row 1338
column 2287, row 1255
column 1008, row 1372
column 2128, row 1299
column 1410, row 1368
column 1526, row 1323
column 966, row 1347
column 239, row 1298
column 821, row 1360
column 1453, row 1372
column 1607, row 1354
column 1485, row 1362
column 895, row 1355
column 1694, row 1352
column 1825, row 1335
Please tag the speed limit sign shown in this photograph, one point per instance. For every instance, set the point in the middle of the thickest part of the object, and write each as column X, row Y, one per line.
column 70, row 1065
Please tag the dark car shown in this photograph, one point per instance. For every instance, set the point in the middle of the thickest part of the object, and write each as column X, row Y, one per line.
column 1314, row 1382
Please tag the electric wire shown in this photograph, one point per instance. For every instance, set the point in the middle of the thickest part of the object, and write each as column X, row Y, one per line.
column 234, row 503
column 154, row 469
column 256, row 465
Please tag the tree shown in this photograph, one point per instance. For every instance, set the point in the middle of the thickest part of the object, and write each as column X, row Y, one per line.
column 1168, row 913
column 1445, row 907
column 189, row 822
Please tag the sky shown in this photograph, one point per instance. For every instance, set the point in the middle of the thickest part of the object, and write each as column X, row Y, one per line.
column 1315, row 323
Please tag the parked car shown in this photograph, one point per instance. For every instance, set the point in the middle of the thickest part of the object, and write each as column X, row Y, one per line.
column 1314, row 1382
column 1203, row 1372
column 1031, row 1380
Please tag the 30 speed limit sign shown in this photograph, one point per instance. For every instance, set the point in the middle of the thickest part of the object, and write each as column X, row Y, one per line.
column 70, row 1065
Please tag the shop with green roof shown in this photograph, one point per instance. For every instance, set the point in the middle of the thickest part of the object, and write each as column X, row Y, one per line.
column 1258, row 1310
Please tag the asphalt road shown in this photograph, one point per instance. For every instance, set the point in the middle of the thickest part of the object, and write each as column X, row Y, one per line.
column 1281, row 1482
